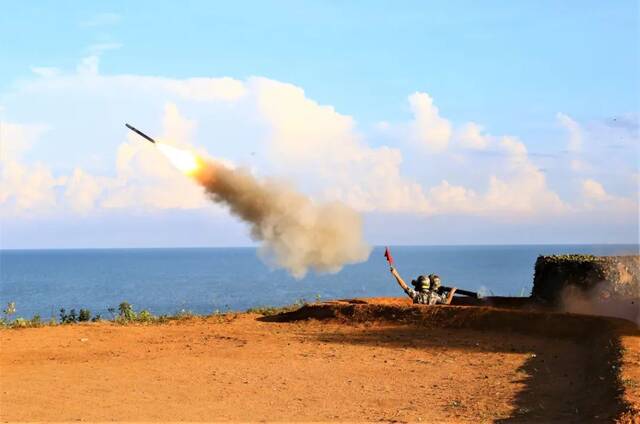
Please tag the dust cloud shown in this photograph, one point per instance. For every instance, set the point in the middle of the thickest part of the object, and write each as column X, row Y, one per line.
column 296, row 233
column 602, row 300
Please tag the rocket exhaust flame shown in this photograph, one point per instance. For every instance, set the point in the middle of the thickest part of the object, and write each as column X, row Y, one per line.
column 185, row 161
column 295, row 232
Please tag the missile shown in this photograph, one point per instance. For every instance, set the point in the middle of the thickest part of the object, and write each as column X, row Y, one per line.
column 140, row 133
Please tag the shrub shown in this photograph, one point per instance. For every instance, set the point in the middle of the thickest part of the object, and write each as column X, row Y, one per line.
column 145, row 316
column 126, row 312
column 20, row 323
column 97, row 318
column 84, row 315
column 70, row 318
column 10, row 310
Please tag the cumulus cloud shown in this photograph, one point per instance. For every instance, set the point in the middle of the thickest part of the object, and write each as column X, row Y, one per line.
column 593, row 190
column 143, row 180
column 308, row 136
column 575, row 132
column 428, row 127
column 595, row 197
column 82, row 191
column 292, row 136
column 521, row 189
column 24, row 188
column 470, row 136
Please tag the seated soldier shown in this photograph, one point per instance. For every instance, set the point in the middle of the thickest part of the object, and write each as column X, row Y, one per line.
column 437, row 295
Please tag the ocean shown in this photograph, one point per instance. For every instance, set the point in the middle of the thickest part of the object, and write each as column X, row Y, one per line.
column 204, row 280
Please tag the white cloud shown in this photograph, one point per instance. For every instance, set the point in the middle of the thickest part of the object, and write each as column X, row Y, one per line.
column 593, row 190
column 521, row 190
column 82, row 191
column 524, row 190
column 428, row 128
column 307, row 136
column 575, row 132
column 143, row 180
column 23, row 188
column 470, row 136
column 318, row 148
column 595, row 197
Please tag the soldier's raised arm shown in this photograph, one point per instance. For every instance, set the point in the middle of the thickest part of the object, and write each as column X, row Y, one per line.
column 399, row 279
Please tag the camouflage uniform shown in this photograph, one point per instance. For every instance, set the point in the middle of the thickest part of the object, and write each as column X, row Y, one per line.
column 434, row 298
column 428, row 297
column 421, row 297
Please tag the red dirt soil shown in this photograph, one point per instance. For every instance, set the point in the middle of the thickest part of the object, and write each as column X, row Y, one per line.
column 364, row 361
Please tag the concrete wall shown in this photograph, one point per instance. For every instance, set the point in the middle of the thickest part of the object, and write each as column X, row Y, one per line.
column 609, row 277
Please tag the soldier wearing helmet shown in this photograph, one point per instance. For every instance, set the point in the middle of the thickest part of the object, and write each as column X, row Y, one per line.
column 435, row 294
column 425, row 289
column 420, row 293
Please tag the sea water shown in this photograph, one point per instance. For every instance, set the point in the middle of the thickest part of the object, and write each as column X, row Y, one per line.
column 203, row 280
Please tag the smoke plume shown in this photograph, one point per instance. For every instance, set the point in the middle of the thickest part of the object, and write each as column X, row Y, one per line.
column 602, row 300
column 296, row 233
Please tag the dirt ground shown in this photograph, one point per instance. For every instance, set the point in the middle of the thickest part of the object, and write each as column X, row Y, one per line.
column 242, row 368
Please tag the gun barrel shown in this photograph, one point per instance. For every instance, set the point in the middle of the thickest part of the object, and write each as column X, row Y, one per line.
column 461, row 291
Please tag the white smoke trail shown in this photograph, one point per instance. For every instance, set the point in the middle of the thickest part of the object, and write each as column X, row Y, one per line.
column 296, row 233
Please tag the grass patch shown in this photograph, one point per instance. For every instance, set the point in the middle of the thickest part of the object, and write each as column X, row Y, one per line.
column 126, row 314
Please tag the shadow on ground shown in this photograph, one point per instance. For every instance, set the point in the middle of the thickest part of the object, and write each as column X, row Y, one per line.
column 579, row 383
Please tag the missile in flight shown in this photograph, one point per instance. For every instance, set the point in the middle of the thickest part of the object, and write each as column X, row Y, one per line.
column 140, row 133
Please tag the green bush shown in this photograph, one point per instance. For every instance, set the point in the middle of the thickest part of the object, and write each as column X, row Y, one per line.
column 69, row 318
column 21, row 323
column 8, row 312
column 145, row 316
column 126, row 312
column 84, row 315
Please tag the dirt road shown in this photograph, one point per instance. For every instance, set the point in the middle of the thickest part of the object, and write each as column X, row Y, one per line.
column 241, row 368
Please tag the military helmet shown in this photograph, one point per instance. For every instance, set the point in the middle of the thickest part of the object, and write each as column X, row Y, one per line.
column 421, row 283
column 435, row 281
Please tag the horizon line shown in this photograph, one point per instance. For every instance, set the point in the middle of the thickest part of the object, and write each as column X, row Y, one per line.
column 636, row 244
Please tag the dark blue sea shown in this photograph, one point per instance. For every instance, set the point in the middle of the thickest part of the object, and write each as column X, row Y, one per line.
column 203, row 280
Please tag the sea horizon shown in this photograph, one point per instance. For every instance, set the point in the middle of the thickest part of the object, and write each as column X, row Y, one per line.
column 373, row 246
column 166, row 280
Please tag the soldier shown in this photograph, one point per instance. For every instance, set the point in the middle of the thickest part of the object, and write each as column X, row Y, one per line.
column 436, row 297
column 421, row 294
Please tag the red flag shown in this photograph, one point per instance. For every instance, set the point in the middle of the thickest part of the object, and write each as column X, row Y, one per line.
column 387, row 254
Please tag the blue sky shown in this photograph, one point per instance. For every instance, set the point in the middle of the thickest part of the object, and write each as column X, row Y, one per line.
column 512, row 68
